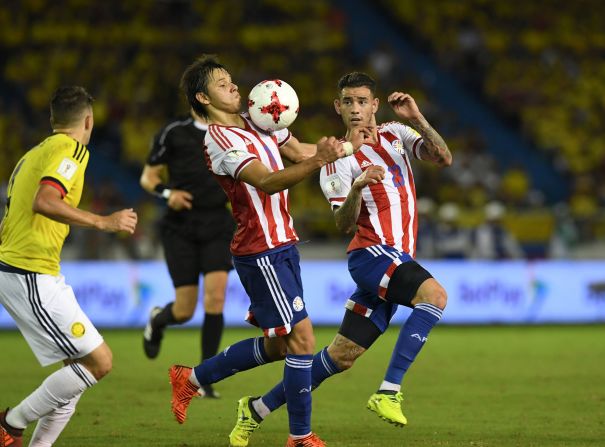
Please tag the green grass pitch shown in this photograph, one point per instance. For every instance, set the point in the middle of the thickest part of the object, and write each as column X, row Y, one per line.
column 470, row 386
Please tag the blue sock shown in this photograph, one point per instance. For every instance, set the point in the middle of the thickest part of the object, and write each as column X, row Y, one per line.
column 323, row 367
column 241, row 356
column 411, row 339
column 297, row 386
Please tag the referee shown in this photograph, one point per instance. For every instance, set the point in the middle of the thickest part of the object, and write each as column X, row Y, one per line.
column 195, row 232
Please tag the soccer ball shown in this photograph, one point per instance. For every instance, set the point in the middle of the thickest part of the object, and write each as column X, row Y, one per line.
column 273, row 105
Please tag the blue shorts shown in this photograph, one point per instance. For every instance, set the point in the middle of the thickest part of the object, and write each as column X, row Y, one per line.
column 371, row 268
column 272, row 281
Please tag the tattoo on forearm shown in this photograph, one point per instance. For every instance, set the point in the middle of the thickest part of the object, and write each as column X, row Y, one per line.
column 433, row 142
column 346, row 216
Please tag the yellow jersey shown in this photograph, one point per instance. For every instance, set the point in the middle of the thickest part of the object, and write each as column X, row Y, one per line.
column 29, row 240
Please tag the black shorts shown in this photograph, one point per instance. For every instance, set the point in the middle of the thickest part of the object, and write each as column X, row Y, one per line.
column 197, row 247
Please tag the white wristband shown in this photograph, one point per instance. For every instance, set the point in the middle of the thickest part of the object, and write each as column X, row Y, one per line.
column 166, row 193
column 348, row 147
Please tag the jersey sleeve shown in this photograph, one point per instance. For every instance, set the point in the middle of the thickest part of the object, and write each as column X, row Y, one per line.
column 335, row 180
column 411, row 139
column 228, row 154
column 159, row 150
column 65, row 167
column 283, row 136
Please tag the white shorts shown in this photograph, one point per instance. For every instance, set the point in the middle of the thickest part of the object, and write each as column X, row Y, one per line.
column 49, row 317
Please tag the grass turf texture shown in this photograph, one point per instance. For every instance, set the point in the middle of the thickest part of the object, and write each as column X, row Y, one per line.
column 471, row 386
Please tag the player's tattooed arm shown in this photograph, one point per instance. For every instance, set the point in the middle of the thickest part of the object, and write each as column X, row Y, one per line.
column 346, row 216
column 434, row 147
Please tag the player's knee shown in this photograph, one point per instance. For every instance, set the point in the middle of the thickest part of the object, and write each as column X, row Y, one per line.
column 275, row 348
column 102, row 366
column 183, row 315
column 214, row 303
column 302, row 344
column 437, row 297
column 344, row 362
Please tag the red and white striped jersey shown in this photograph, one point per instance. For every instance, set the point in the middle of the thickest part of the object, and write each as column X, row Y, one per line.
column 263, row 220
column 388, row 209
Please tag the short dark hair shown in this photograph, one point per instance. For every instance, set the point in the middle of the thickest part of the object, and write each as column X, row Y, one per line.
column 357, row 79
column 195, row 80
column 67, row 105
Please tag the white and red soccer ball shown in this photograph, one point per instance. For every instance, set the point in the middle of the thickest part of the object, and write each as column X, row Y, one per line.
column 273, row 105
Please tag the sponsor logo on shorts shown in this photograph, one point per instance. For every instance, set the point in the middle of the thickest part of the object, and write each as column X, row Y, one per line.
column 298, row 304
column 78, row 330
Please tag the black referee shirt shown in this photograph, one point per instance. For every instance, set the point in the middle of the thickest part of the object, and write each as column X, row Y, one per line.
column 180, row 146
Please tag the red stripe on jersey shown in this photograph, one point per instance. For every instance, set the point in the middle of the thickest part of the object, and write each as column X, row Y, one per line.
column 389, row 137
column 381, row 198
column 404, row 198
column 285, row 209
column 382, row 292
column 219, row 137
column 59, row 187
column 337, row 199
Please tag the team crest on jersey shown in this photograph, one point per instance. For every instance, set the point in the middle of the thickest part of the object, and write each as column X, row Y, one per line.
column 298, row 304
column 398, row 146
column 67, row 168
column 332, row 185
column 78, row 330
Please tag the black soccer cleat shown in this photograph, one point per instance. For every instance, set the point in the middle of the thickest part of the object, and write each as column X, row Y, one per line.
column 152, row 338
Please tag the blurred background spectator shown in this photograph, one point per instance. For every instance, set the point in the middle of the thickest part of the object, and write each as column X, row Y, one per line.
column 516, row 89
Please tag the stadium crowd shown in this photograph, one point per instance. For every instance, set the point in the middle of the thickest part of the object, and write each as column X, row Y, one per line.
column 130, row 56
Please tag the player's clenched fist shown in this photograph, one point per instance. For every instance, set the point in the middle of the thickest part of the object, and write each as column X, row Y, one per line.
column 124, row 220
column 371, row 176
column 329, row 149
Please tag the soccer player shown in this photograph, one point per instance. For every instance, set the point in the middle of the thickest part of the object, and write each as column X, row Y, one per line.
column 374, row 192
column 43, row 194
column 248, row 164
column 195, row 232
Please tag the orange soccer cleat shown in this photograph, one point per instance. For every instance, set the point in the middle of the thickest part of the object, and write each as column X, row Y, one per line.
column 311, row 440
column 9, row 436
column 182, row 391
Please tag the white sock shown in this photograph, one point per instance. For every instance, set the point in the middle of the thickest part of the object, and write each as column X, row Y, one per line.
column 388, row 386
column 261, row 409
column 56, row 391
column 299, row 436
column 49, row 427
column 193, row 379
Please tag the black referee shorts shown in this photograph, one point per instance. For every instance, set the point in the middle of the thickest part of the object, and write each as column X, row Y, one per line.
column 196, row 248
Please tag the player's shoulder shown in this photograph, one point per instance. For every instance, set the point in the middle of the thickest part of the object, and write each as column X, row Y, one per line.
column 397, row 128
column 59, row 146
column 174, row 125
column 391, row 126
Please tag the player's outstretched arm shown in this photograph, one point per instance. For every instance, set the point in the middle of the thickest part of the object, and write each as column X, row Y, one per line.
column 49, row 203
column 328, row 150
column 434, row 148
column 346, row 215
column 295, row 151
